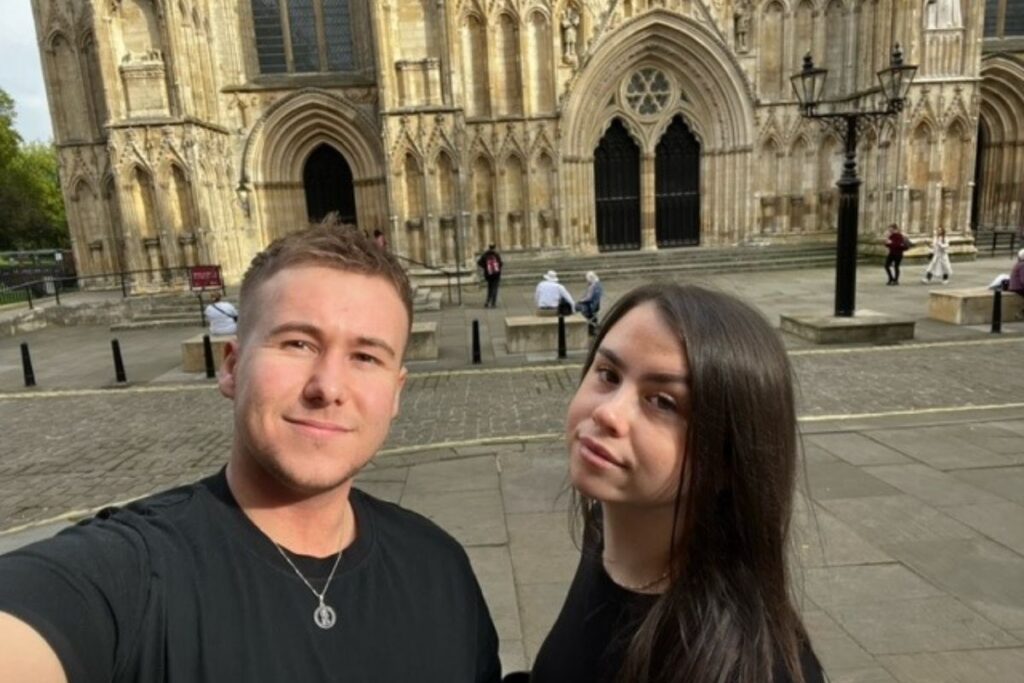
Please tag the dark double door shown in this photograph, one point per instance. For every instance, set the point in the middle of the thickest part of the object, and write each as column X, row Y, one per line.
column 327, row 179
column 617, row 190
column 677, row 188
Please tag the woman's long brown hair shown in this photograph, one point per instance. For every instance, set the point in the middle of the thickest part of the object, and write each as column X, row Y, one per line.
column 728, row 615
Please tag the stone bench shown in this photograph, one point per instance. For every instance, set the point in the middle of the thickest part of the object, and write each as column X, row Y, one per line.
column 422, row 342
column 529, row 333
column 972, row 306
column 192, row 358
column 422, row 346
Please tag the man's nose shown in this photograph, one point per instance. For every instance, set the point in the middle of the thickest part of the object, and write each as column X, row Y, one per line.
column 326, row 383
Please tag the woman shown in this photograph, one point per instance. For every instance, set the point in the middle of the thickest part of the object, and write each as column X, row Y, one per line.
column 683, row 453
column 939, row 264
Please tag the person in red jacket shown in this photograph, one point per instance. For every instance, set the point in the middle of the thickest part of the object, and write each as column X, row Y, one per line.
column 896, row 243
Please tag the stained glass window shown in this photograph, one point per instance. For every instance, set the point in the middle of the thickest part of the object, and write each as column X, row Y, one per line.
column 266, row 18
column 302, row 18
column 338, row 33
column 1013, row 21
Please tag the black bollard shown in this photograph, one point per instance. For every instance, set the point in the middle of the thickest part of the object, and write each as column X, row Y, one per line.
column 208, row 356
column 997, row 312
column 476, row 342
column 26, row 366
column 561, row 337
column 118, row 363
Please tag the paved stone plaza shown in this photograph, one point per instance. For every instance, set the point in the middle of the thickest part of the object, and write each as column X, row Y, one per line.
column 909, row 532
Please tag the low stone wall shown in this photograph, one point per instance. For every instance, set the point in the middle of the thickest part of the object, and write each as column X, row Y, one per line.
column 972, row 306
column 422, row 342
column 529, row 333
column 94, row 313
column 193, row 358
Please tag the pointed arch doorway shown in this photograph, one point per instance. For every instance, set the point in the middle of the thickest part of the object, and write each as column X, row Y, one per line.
column 617, row 190
column 327, row 179
column 677, row 187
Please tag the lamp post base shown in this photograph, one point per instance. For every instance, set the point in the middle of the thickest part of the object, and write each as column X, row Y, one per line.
column 865, row 327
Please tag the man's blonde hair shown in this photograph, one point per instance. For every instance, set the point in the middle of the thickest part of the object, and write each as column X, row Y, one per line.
column 331, row 245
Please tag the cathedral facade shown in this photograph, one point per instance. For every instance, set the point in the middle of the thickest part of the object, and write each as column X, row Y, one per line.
column 196, row 131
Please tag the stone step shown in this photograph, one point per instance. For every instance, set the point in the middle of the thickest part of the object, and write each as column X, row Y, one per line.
column 573, row 271
column 191, row 317
column 154, row 324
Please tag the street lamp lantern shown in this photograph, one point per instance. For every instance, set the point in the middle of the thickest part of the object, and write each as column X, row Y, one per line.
column 844, row 116
column 896, row 79
column 809, row 84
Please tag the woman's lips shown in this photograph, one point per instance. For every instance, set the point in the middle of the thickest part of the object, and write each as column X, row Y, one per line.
column 596, row 453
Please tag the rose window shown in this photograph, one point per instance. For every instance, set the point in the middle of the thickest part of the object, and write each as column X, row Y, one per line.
column 648, row 91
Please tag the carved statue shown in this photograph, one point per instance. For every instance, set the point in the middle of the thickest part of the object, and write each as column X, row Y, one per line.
column 570, row 29
column 742, row 21
column 943, row 14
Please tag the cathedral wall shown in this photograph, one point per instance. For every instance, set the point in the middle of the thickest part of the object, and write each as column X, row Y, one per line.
column 184, row 127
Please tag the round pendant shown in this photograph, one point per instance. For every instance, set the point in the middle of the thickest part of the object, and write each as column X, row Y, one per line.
column 324, row 616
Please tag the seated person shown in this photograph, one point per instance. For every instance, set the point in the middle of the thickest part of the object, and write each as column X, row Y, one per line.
column 551, row 297
column 1016, row 282
column 221, row 316
column 590, row 304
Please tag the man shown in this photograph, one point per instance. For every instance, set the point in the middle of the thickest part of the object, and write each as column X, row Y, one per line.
column 275, row 568
column 896, row 243
column 551, row 297
column 490, row 262
column 221, row 316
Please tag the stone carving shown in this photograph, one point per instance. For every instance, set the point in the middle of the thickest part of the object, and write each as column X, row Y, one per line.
column 943, row 14
column 570, row 30
column 742, row 24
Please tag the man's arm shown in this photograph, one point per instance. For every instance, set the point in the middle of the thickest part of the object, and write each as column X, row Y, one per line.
column 25, row 656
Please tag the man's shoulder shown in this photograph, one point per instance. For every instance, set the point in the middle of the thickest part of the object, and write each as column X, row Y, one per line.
column 402, row 530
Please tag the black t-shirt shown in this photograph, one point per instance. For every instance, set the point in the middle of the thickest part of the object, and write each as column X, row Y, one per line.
column 183, row 587
column 588, row 642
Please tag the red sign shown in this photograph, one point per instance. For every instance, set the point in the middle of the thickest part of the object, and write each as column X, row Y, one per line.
column 204, row 277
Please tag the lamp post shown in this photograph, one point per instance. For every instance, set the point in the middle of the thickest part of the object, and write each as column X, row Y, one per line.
column 844, row 116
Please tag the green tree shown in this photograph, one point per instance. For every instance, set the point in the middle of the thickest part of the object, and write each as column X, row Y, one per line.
column 31, row 205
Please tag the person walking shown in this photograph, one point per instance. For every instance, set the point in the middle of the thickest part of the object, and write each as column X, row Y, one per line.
column 490, row 262
column 939, row 264
column 896, row 243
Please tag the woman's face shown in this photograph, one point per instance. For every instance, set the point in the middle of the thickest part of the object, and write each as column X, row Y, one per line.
column 627, row 422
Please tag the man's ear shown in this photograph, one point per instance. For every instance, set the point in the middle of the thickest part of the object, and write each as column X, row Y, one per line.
column 227, row 377
column 402, row 375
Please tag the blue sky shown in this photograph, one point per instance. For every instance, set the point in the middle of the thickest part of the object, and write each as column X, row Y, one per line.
column 20, row 73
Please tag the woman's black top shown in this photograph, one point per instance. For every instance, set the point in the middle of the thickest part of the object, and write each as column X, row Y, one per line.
column 588, row 641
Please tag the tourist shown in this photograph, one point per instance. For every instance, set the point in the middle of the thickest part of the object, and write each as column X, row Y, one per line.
column 221, row 316
column 274, row 568
column 490, row 262
column 682, row 443
column 551, row 297
column 379, row 239
column 939, row 265
column 896, row 243
column 590, row 303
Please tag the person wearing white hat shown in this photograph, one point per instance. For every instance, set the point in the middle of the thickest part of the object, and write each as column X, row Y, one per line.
column 551, row 297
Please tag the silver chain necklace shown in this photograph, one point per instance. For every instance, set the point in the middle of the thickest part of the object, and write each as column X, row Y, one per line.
column 324, row 615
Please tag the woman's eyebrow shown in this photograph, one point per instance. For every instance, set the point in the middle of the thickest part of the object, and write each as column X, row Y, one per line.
column 654, row 377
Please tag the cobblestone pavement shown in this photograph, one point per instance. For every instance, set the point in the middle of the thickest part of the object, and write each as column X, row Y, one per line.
column 75, row 450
